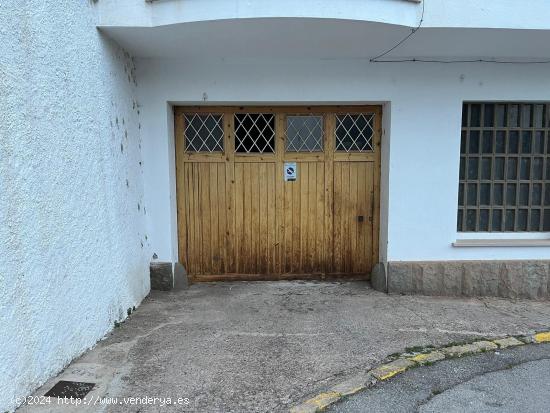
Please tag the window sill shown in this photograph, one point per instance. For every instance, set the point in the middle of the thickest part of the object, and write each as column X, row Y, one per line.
column 501, row 243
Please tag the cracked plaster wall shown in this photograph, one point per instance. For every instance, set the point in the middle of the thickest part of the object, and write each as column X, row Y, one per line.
column 74, row 251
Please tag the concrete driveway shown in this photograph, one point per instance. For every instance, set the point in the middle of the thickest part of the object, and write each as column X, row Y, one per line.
column 264, row 346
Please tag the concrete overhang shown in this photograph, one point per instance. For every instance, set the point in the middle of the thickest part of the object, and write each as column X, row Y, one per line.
column 501, row 14
column 323, row 38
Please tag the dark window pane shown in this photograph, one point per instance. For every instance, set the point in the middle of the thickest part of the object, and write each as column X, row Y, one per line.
column 522, row 219
column 463, row 146
column 473, row 147
column 534, row 222
column 471, row 218
column 536, row 194
column 464, row 115
column 497, row 220
column 459, row 220
column 525, row 169
column 526, row 141
column 462, row 172
column 524, row 194
column 500, row 144
column 473, row 168
column 513, row 116
column 486, row 168
column 512, row 168
column 354, row 132
column 501, row 116
column 485, row 194
column 471, row 197
column 526, row 112
column 489, row 115
column 487, row 146
column 538, row 117
column 547, row 194
column 509, row 220
column 499, row 168
column 484, row 220
column 538, row 165
column 538, row 146
column 475, row 115
column 461, row 194
column 546, row 225
column 513, row 142
column 254, row 132
column 203, row 132
column 511, row 194
column 498, row 194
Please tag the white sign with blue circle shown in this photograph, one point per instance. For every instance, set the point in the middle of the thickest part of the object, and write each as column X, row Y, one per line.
column 290, row 171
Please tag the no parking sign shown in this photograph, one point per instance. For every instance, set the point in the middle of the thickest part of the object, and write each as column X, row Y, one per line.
column 290, row 171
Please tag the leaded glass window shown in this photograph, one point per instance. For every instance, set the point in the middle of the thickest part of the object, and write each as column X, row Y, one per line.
column 304, row 133
column 354, row 132
column 203, row 132
column 254, row 132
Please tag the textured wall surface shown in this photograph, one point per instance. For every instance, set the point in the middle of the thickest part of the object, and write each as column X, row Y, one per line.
column 74, row 251
column 509, row 279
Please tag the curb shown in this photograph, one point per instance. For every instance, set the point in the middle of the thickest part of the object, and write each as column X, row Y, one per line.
column 402, row 362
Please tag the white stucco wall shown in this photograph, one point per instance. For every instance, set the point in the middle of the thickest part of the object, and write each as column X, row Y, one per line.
column 421, row 162
column 74, row 252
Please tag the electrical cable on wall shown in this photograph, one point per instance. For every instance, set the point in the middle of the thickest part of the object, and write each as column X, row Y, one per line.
column 376, row 59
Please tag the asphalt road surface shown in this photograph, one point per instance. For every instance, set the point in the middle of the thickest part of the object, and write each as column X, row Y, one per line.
column 510, row 380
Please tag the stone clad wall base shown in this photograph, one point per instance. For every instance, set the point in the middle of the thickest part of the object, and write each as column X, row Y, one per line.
column 166, row 276
column 508, row 279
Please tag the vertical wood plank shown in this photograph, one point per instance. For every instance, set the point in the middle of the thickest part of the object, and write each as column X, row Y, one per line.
column 303, row 177
column 230, row 233
column 338, row 218
column 213, row 206
column 239, row 224
column 321, row 220
column 329, row 249
column 352, row 219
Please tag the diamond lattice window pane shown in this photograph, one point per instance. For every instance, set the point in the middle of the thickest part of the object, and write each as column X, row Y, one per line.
column 254, row 132
column 304, row 133
column 354, row 132
column 203, row 132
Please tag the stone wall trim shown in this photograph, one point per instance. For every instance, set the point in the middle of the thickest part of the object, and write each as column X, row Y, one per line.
column 507, row 279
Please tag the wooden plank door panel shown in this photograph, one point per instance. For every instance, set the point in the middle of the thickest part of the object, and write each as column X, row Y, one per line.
column 203, row 249
column 303, row 242
column 353, row 217
column 255, row 227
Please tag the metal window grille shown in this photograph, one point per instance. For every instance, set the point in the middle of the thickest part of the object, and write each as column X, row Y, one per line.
column 203, row 132
column 254, row 132
column 304, row 133
column 504, row 181
column 354, row 132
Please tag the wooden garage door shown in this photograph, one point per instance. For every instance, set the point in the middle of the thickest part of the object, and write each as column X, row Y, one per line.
column 277, row 192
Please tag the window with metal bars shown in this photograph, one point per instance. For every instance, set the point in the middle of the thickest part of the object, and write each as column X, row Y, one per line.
column 354, row 132
column 254, row 133
column 504, row 168
column 304, row 133
column 203, row 132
